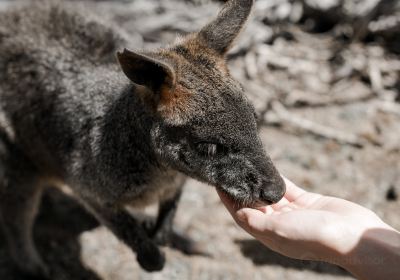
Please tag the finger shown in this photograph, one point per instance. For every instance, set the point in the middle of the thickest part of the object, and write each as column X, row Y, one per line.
column 228, row 202
column 254, row 219
column 284, row 209
column 239, row 218
column 268, row 209
column 292, row 191
column 281, row 203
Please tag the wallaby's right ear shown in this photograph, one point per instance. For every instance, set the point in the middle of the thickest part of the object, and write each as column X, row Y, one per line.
column 146, row 71
column 220, row 33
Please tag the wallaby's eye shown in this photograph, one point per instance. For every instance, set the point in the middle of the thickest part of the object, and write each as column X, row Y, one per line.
column 209, row 149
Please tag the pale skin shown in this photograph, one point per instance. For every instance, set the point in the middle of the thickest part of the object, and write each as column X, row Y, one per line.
column 310, row 226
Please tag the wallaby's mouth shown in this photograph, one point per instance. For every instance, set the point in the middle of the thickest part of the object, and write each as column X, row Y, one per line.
column 269, row 193
column 244, row 200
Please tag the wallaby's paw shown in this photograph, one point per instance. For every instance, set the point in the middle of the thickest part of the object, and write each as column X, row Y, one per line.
column 150, row 257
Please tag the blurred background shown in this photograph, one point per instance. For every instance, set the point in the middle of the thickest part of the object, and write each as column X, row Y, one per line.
column 324, row 76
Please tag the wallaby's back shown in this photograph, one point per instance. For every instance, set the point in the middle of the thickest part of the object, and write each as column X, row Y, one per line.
column 60, row 30
column 50, row 44
column 54, row 61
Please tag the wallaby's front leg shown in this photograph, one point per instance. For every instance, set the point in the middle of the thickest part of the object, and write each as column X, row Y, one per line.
column 127, row 229
column 163, row 232
column 163, row 228
column 19, row 202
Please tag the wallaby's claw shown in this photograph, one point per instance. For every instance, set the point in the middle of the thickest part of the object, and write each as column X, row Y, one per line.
column 150, row 257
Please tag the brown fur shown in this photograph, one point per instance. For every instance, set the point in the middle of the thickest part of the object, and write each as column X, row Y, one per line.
column 174, row 103
column 175, row 100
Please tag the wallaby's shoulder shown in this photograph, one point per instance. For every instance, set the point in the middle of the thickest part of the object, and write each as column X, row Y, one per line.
column 52, row 25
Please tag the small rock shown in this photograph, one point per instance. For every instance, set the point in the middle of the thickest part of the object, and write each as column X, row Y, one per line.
column 391, row 194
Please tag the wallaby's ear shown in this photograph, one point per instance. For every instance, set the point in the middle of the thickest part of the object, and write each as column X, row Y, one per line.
column 146, row 71
column 222, row 31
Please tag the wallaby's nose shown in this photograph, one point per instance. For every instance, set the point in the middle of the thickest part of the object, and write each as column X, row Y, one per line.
column 271, row 193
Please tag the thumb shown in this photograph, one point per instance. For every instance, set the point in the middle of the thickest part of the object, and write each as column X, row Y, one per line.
column 228, row 202
column 248, row 218
column 241, row 215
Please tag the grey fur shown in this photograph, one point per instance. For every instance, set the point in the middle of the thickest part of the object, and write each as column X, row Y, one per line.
column 68, row 115
column 221, row 32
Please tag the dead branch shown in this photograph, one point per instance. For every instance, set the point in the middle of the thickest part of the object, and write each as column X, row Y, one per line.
column 283, row 116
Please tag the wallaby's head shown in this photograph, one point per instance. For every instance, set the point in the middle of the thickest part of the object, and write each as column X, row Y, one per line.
column 204, row 125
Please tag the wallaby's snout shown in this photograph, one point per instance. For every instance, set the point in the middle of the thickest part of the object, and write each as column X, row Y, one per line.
column 272, row 192
column 204, row 125
column 271, row 187
column 251, row 179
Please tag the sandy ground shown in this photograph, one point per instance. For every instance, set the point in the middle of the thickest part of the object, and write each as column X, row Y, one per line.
column 77, row 247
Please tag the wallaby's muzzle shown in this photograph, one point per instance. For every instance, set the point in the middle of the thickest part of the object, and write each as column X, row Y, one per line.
column 252, row 182
column 272, row 192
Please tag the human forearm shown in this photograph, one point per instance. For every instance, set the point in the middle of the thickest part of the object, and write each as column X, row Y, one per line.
column 375, row 256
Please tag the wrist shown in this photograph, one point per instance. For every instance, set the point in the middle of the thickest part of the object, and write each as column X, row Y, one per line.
column 346, row 236
column 376, row 253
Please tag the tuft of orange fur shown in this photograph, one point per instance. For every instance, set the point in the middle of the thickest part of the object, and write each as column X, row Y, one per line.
column 174, row 103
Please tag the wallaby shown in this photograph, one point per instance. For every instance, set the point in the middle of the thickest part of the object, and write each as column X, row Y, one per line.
column 69, row 115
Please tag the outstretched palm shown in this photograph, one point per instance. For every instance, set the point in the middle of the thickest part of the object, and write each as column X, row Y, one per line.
column 305, row 220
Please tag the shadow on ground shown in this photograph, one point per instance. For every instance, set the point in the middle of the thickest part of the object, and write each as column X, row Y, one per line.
column 261, row 255
column 59, row 223
column 57, row 228
column 61, row 220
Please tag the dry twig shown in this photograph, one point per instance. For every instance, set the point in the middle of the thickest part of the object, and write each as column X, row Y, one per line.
column 283, row 116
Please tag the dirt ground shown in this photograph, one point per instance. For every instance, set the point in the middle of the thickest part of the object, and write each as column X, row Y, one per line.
column 324, row 120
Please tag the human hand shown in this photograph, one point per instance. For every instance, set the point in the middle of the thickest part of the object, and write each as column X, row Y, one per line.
column 306, row 225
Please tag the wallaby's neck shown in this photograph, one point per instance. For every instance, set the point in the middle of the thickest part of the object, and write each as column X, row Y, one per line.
column 122, row 136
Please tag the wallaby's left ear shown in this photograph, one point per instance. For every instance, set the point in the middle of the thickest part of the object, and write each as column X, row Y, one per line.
column 220, row 33
column 146, row 71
